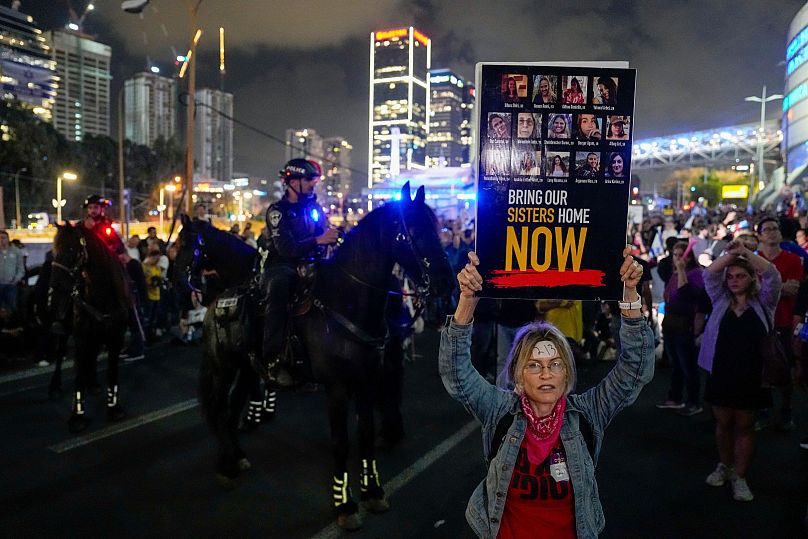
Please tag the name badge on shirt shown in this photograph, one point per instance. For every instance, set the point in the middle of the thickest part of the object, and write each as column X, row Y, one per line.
column 558, row 467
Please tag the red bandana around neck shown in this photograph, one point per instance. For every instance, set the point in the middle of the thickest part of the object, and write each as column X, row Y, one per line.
column 542, row 432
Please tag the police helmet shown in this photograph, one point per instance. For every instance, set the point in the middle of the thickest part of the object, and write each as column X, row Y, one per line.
column 97, row 199
column 301, row 168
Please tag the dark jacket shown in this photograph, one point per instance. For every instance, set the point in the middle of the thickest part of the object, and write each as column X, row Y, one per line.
column 293, row 230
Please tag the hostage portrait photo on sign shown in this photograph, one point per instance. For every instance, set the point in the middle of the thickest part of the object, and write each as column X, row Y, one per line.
column 553, row 223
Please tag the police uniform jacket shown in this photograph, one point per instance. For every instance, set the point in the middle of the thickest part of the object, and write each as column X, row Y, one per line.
column 111, row 240
column 293, row 230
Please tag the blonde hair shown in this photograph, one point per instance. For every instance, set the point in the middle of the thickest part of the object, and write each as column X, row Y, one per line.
column 522, row 350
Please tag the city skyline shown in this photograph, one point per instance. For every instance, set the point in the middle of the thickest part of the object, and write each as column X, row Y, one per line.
column 694, row 66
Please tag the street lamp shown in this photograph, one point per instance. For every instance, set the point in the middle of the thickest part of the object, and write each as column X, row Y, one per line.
column 170, row 187
column 763, row 99
column 17, row 195
column 58, row 202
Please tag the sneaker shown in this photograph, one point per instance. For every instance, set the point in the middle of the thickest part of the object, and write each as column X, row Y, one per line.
column 804, row 443
column 740, row 490
column 720, row 475
column 43, row 363
column 693, row 409
column 670, row 405
column 130, row 357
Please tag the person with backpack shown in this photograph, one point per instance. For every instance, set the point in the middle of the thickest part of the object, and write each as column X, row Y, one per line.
column 541, row 476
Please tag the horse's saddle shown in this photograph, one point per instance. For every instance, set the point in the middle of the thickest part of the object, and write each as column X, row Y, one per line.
column 237, row 311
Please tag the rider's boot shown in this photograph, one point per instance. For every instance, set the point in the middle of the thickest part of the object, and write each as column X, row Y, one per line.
column 78, row 419
column 372, row 494
column 270, row 397
column 346, row 509
column 252, row 420
column 114, row 409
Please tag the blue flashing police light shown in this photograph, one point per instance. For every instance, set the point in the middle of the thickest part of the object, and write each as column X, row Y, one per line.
column 397, row 196
column 315, row 215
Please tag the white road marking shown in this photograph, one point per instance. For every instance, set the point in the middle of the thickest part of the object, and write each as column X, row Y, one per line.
column 129, row 424
column 34, row 371
column 332, row 531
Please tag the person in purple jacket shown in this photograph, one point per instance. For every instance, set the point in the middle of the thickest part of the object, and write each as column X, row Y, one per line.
column 683, row 295
column 743, row 312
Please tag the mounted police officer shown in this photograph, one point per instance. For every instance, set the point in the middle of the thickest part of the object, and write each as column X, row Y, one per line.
column 298, row 234
column 96, row 220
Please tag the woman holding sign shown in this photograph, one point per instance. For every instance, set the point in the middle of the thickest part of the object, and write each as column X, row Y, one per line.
column 536, row 433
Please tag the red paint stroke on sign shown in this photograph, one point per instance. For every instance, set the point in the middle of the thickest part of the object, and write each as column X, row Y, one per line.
column 549, row 278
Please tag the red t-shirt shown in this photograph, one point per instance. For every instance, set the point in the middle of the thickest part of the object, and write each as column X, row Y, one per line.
column 790, row 267
column 537, row 505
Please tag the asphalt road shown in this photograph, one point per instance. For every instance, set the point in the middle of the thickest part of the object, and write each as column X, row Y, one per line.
column 151, row 475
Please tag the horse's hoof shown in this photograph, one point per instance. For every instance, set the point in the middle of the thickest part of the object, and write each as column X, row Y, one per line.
column 115, row 413
column 77, row 423
column 350, row 521
column 248, row 425
column 243, row 464
column 376, row 505
column 227, row 483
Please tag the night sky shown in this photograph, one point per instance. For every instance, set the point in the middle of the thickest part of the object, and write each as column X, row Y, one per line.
column 304, row 63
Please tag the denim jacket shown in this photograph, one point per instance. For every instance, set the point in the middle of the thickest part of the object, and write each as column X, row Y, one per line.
column 597, row 405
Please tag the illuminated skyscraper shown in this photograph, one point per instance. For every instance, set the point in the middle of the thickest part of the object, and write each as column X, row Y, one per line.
column 214, row 135
column 149, row 108
column 304, row 143
column 82, row 99
column 399, row 104
column 450, row 119
column 27, row 71
column 336, row 166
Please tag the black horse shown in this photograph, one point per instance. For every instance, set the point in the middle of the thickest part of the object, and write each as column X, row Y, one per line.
column 88, row 284
column 343, row 334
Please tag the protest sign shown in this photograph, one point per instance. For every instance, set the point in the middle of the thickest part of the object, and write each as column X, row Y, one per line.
column 553, row 169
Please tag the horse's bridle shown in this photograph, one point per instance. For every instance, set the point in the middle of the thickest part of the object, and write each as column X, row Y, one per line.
column 74, row 272
column 75, row 292
column 403, row 238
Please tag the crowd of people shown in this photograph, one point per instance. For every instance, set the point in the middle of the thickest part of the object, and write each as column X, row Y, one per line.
column 729, row 281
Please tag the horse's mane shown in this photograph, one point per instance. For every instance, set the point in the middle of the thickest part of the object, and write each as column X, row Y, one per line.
column 219, row 241
column 365, row 236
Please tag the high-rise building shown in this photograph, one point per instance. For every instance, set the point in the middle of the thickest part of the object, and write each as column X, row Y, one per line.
column 213, row 144
column 336, row 166
column 449, row 124
column 466, row 128
column 304, row 143
column 795, row 104
column 150, row 108
column 399, row 103
column 27, row 71
column 82, row 99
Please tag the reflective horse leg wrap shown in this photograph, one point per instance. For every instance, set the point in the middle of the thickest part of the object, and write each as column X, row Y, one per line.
column 269, row 401
column 341, row 492
column 371, row 486
column 254, row 412
column 112, row 396
column 78, row 403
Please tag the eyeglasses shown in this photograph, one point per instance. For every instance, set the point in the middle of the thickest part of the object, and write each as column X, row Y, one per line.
column 769, row 229
column 555, row 367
